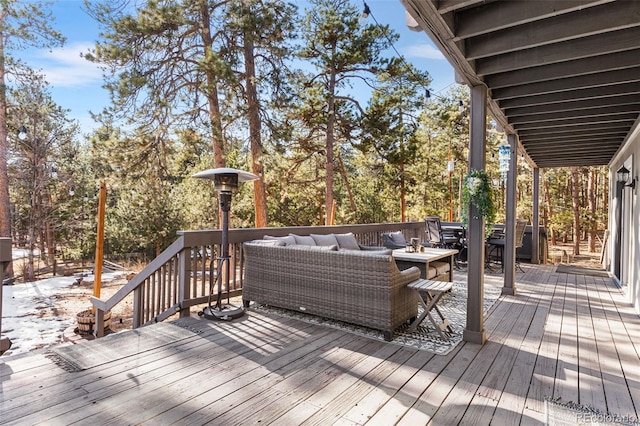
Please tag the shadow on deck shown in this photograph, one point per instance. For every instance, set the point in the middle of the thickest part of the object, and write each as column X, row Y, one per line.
column 564, row 337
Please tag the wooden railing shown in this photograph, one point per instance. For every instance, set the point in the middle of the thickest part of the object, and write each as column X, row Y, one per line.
column 179, row 277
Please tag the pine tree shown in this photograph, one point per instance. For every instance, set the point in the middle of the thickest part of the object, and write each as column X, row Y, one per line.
column 342, row 53
column 22, row 24
column 165, row 67
column 391, row 122
column 258, row 33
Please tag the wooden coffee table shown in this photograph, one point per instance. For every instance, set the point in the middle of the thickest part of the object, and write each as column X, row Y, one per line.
column 428, row 255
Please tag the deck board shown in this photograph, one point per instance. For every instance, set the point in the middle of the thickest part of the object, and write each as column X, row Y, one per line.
column 562, row 336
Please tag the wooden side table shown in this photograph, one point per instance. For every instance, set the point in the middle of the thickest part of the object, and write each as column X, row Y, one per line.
column 433, row 291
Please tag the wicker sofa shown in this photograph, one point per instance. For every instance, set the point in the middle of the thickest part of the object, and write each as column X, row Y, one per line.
column 361, row 287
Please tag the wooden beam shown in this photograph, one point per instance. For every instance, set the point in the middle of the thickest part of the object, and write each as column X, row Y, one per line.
column 591, row 81
column 499, row 15
column 573, row 114
column 564, row 51
column 584, row 66
column 554, row 29
column 574, row 105
column 578, row 121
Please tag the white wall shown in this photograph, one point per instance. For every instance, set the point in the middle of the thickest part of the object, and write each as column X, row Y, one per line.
column 629, row 156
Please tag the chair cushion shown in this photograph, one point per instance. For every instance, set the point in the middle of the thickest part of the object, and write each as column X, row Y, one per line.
column 324, row 240
column 347, row 241
column 304, row 240
column 287, row 240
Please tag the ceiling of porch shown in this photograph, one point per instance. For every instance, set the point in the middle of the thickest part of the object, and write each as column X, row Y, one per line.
column 563, row 75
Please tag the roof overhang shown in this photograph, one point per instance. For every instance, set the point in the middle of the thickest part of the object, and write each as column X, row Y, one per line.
column 563, row 75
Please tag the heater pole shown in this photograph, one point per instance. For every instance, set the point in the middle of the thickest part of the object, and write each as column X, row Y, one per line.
column 225, row 206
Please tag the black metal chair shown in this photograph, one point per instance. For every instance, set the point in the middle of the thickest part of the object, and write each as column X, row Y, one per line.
column 438, row 238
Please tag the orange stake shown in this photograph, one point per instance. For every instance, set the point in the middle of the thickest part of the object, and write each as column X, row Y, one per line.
column 97, row 268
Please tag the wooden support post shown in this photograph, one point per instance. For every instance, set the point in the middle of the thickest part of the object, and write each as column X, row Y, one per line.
column 509, row 259
column 474, row 331
column 5, row 261
column 99, row 325
column 97, row 267
column 184, row 273
column 535, row 226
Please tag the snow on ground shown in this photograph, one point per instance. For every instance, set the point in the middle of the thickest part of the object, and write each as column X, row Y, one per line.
column 29, row 314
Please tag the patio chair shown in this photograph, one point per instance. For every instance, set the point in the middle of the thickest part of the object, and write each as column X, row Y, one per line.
column 521, row 225
column 496, row 244
column 438, row 238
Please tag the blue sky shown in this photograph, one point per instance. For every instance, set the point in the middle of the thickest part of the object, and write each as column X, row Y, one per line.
column 76, row 84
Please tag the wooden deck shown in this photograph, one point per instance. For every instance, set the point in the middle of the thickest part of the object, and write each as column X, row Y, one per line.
column 564, row 336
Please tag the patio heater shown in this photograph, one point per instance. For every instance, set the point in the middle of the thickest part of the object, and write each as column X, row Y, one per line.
column 225, row 181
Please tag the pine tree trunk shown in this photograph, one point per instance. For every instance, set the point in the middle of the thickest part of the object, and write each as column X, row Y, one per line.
column 343, row 171
column 575, row 190
column 5, row 205
column 550, row 212
column 328, row 202
column 403, row 201
column 259, row 193
column 212, row 90
column 593, row 224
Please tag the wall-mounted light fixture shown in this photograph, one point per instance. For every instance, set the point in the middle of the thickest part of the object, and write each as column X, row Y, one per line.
column 623, row 177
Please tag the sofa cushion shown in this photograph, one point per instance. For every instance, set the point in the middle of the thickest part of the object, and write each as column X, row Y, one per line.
column 268, row 242
column 313, row 248
column 380, row 252
column 287, row 240
column 347, row 241
column 324, row 240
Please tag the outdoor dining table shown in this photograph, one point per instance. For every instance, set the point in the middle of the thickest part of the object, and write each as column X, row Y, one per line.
column 427, row 255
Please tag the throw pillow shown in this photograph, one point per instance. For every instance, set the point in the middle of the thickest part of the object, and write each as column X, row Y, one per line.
column 398, row 238
column 347, row 241
column 304, row 240
column 324, row 240
column 287, row 240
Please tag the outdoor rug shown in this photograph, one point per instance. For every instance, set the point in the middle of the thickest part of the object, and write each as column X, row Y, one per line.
column 116, row 346
column 453, row 306
column 577, row 270
column 559, row 413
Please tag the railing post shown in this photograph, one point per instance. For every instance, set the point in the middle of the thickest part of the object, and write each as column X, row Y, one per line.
column 184, row 275
column 99, row 324
column 137, row 307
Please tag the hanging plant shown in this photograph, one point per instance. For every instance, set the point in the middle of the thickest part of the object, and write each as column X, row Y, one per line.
column 477, row 190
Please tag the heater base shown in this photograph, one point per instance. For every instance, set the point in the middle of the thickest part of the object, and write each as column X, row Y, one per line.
column 224, row 313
